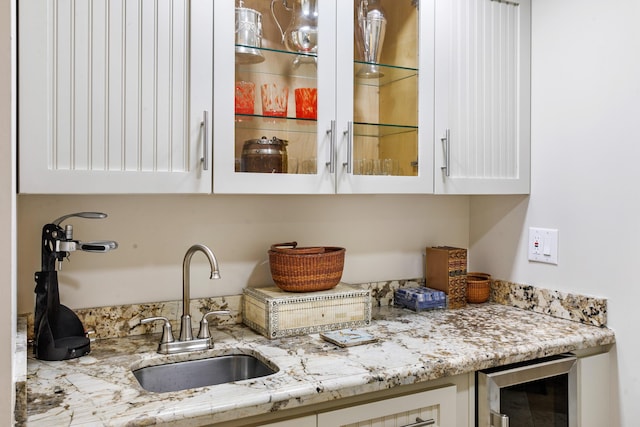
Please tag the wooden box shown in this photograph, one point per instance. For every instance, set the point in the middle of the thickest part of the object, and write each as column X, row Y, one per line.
column 275, row 313
column 447, row 271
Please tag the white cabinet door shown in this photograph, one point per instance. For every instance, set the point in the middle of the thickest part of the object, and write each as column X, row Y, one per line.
column 593, row 390
column 308, row 421
column 112, row 96
column 482, row 97
column 438, row 405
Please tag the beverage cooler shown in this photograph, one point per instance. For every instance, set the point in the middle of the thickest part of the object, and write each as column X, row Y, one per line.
column 537, row 393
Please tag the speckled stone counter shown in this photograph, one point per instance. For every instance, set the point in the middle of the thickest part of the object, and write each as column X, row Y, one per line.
column 99, row 389
column 20, row 371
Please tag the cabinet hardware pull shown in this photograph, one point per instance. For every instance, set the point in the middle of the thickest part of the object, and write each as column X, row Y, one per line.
column 420, row 423
column 447, row 152
column 205, row 150
column 349, row 134
column 332, row 147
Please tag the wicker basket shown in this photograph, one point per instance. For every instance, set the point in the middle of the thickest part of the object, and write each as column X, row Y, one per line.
column 307, row 269
column 478, row 287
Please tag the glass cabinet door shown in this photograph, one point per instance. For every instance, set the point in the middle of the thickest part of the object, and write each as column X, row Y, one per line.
column 274, row 103
column 387, row 63
column 323, row 96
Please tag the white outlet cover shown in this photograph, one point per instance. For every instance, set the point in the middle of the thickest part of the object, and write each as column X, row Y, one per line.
column 543, row 245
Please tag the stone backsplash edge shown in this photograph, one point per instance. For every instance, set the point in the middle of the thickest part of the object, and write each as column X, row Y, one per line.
column 124, row 320
column 579, row 308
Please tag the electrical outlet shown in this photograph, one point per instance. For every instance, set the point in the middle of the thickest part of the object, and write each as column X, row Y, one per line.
column 543, row 245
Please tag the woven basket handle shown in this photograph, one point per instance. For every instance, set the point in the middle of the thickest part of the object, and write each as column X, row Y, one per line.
column 278, row 247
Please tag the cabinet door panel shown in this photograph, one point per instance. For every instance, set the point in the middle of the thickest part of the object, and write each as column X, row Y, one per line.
column 385, row 130
column 483, row 97
column 105, row 100
column 263, row 168
column 308, row 421
column 438, row 405
column 593, row 390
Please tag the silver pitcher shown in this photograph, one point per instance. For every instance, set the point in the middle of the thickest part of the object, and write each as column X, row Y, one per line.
column 301, row 34
column 248, row 35
column 370, row 36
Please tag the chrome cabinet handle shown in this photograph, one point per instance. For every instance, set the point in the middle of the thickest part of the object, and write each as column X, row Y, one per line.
column 420, row 423
column 205, row 149
column 332, row 147
column 447, row 152
column 349, row 134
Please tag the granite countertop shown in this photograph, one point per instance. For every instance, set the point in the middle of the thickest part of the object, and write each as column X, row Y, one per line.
column 99, row 389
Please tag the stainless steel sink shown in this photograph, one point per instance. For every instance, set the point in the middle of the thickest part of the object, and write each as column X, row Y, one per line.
column 201, row 373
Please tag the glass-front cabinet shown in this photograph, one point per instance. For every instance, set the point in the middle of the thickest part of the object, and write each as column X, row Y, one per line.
column 323, row 96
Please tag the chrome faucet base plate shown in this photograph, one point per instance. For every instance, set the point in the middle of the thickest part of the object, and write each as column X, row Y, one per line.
column 185, row 346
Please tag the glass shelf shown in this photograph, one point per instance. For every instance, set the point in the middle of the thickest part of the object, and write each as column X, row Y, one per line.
column 275, row 124
column 388, row 73
column 301, row 65
column 293, row 125
column 381, row 130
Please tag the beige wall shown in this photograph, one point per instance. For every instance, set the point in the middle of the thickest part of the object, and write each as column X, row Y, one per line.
column 7, row 212
column 385, row 237
column 585, row 174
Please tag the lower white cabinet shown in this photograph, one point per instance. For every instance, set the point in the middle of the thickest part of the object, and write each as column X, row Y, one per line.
column 429, row 408
column 436, row 407
column 307, row 421
column 450, row 402
column 593, row 390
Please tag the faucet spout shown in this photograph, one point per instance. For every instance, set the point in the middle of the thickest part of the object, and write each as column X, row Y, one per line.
column 186, row 333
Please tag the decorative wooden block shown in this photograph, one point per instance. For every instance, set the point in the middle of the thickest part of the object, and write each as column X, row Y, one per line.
column 447, row 271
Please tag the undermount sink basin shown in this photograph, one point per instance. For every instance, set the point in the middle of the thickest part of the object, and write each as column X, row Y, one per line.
column 201, row 373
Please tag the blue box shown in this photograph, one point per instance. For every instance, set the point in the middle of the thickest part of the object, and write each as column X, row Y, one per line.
column 420, row 298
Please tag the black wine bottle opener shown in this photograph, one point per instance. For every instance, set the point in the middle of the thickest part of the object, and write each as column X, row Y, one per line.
column 59, row 333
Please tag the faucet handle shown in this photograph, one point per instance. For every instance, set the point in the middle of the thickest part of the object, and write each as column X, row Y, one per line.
column 167, row 333
column 204, row 324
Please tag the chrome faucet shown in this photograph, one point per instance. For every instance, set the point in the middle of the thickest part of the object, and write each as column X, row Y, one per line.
column 185, row 324
column 186, row 342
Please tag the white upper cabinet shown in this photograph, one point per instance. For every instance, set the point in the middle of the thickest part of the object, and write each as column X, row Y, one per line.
column 368, row 126
column 482, row 124
column 113, row 96
column 380, row 96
